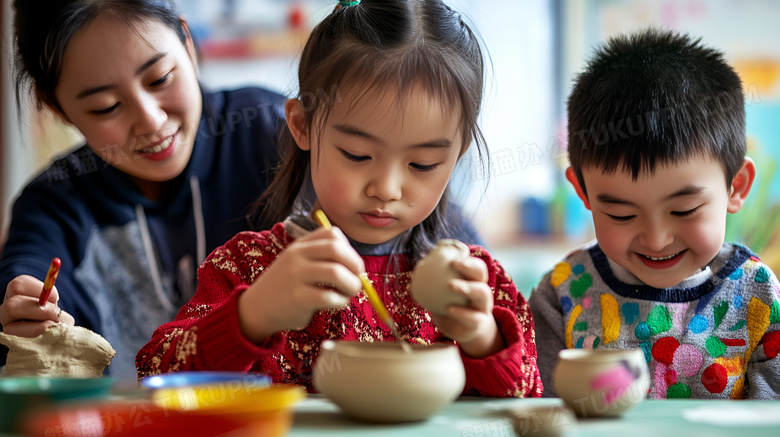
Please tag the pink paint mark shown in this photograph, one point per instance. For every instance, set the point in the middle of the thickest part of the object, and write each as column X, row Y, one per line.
column 615, row 381
column 586, row 302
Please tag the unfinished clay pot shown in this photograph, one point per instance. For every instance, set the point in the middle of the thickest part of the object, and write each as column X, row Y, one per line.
column 432, row 275
column 595, row 382
column 62, row 350
column 379, row 382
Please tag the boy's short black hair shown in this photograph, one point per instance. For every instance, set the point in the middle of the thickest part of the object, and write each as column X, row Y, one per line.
column 655, row 97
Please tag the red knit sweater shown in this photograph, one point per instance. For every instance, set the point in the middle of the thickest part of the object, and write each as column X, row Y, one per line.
column 206, row 336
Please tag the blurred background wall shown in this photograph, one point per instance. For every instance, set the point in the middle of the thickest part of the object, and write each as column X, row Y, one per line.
column 528, row 214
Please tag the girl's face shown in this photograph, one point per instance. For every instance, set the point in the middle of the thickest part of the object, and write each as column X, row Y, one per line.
column 381, row 166
column 134, row 95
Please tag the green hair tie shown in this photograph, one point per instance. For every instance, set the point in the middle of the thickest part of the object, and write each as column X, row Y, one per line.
column 344, row 4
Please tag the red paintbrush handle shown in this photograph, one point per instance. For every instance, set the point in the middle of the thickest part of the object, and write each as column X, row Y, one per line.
column 48, row 283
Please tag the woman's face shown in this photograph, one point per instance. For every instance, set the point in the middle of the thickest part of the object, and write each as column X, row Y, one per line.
column 134, row 95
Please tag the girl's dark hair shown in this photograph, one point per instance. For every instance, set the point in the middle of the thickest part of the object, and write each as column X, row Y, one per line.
column 42, row 30
column 381, row 44
column 656, row 97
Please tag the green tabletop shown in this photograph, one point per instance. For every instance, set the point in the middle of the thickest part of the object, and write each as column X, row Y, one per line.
column 489, row 417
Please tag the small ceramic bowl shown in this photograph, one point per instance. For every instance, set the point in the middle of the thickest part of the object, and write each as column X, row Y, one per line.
column 379, row 382
column 24, row 394
column 432, row 275
column 601, row 382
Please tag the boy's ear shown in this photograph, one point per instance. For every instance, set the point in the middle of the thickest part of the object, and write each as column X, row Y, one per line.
column 740, row 186
column 296, row 121
column 572, row 177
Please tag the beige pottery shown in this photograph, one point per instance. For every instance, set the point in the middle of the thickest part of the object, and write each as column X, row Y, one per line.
column 432, row 275
column 601, row 382
column 379, row 382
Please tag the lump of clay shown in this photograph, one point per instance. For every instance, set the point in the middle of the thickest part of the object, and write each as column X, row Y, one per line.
column 431, row 277
column 62, row 350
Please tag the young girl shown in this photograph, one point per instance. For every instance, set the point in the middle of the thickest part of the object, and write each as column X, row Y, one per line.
column 388, row 101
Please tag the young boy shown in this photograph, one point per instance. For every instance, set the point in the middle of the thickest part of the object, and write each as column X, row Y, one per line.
column 657, row 153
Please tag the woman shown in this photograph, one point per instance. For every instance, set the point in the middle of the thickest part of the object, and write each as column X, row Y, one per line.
column 165, row 176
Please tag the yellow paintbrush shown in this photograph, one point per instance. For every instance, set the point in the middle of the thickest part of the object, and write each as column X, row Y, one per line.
column 371, row 294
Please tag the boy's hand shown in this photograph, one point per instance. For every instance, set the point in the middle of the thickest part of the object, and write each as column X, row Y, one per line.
column 291, row 289
column 474, row 327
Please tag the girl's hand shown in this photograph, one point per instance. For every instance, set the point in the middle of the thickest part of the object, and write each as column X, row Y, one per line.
column 20, row 313
column 291, row 289
column 473, row 327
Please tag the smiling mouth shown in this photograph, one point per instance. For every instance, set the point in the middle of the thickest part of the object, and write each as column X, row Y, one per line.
column 160, row 147
column 662, row 258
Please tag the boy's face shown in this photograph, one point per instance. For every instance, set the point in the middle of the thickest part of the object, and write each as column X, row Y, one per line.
column 666, row 226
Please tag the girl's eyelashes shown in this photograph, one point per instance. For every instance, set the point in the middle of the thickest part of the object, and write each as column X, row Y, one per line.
column 685, row 213
column 106, row 110
column 354, row 158
column 424, row 168
column 359, row 158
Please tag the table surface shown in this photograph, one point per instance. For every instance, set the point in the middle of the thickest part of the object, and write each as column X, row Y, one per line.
column 473, row 417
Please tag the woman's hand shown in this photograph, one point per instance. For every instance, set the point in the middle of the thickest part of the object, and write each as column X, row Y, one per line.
column 473, row 327
column 20, row 313
column 297, row 284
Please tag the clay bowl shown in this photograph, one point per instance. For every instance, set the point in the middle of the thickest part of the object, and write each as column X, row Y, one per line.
column 379, row 382
column 24, row 394
column 601, row 382
column 432, row 275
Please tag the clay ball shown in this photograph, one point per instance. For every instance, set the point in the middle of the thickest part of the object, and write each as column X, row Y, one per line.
column 432, row 275
column 543, row 421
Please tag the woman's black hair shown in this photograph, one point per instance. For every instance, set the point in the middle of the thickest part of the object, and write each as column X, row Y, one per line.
column 42, row 30
column 381, row 44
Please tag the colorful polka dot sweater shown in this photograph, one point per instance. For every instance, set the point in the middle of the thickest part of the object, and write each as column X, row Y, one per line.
column 206, row 336
column 716, row 337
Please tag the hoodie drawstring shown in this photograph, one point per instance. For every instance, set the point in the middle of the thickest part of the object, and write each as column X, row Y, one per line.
column 200, row 228
column 149, row 251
